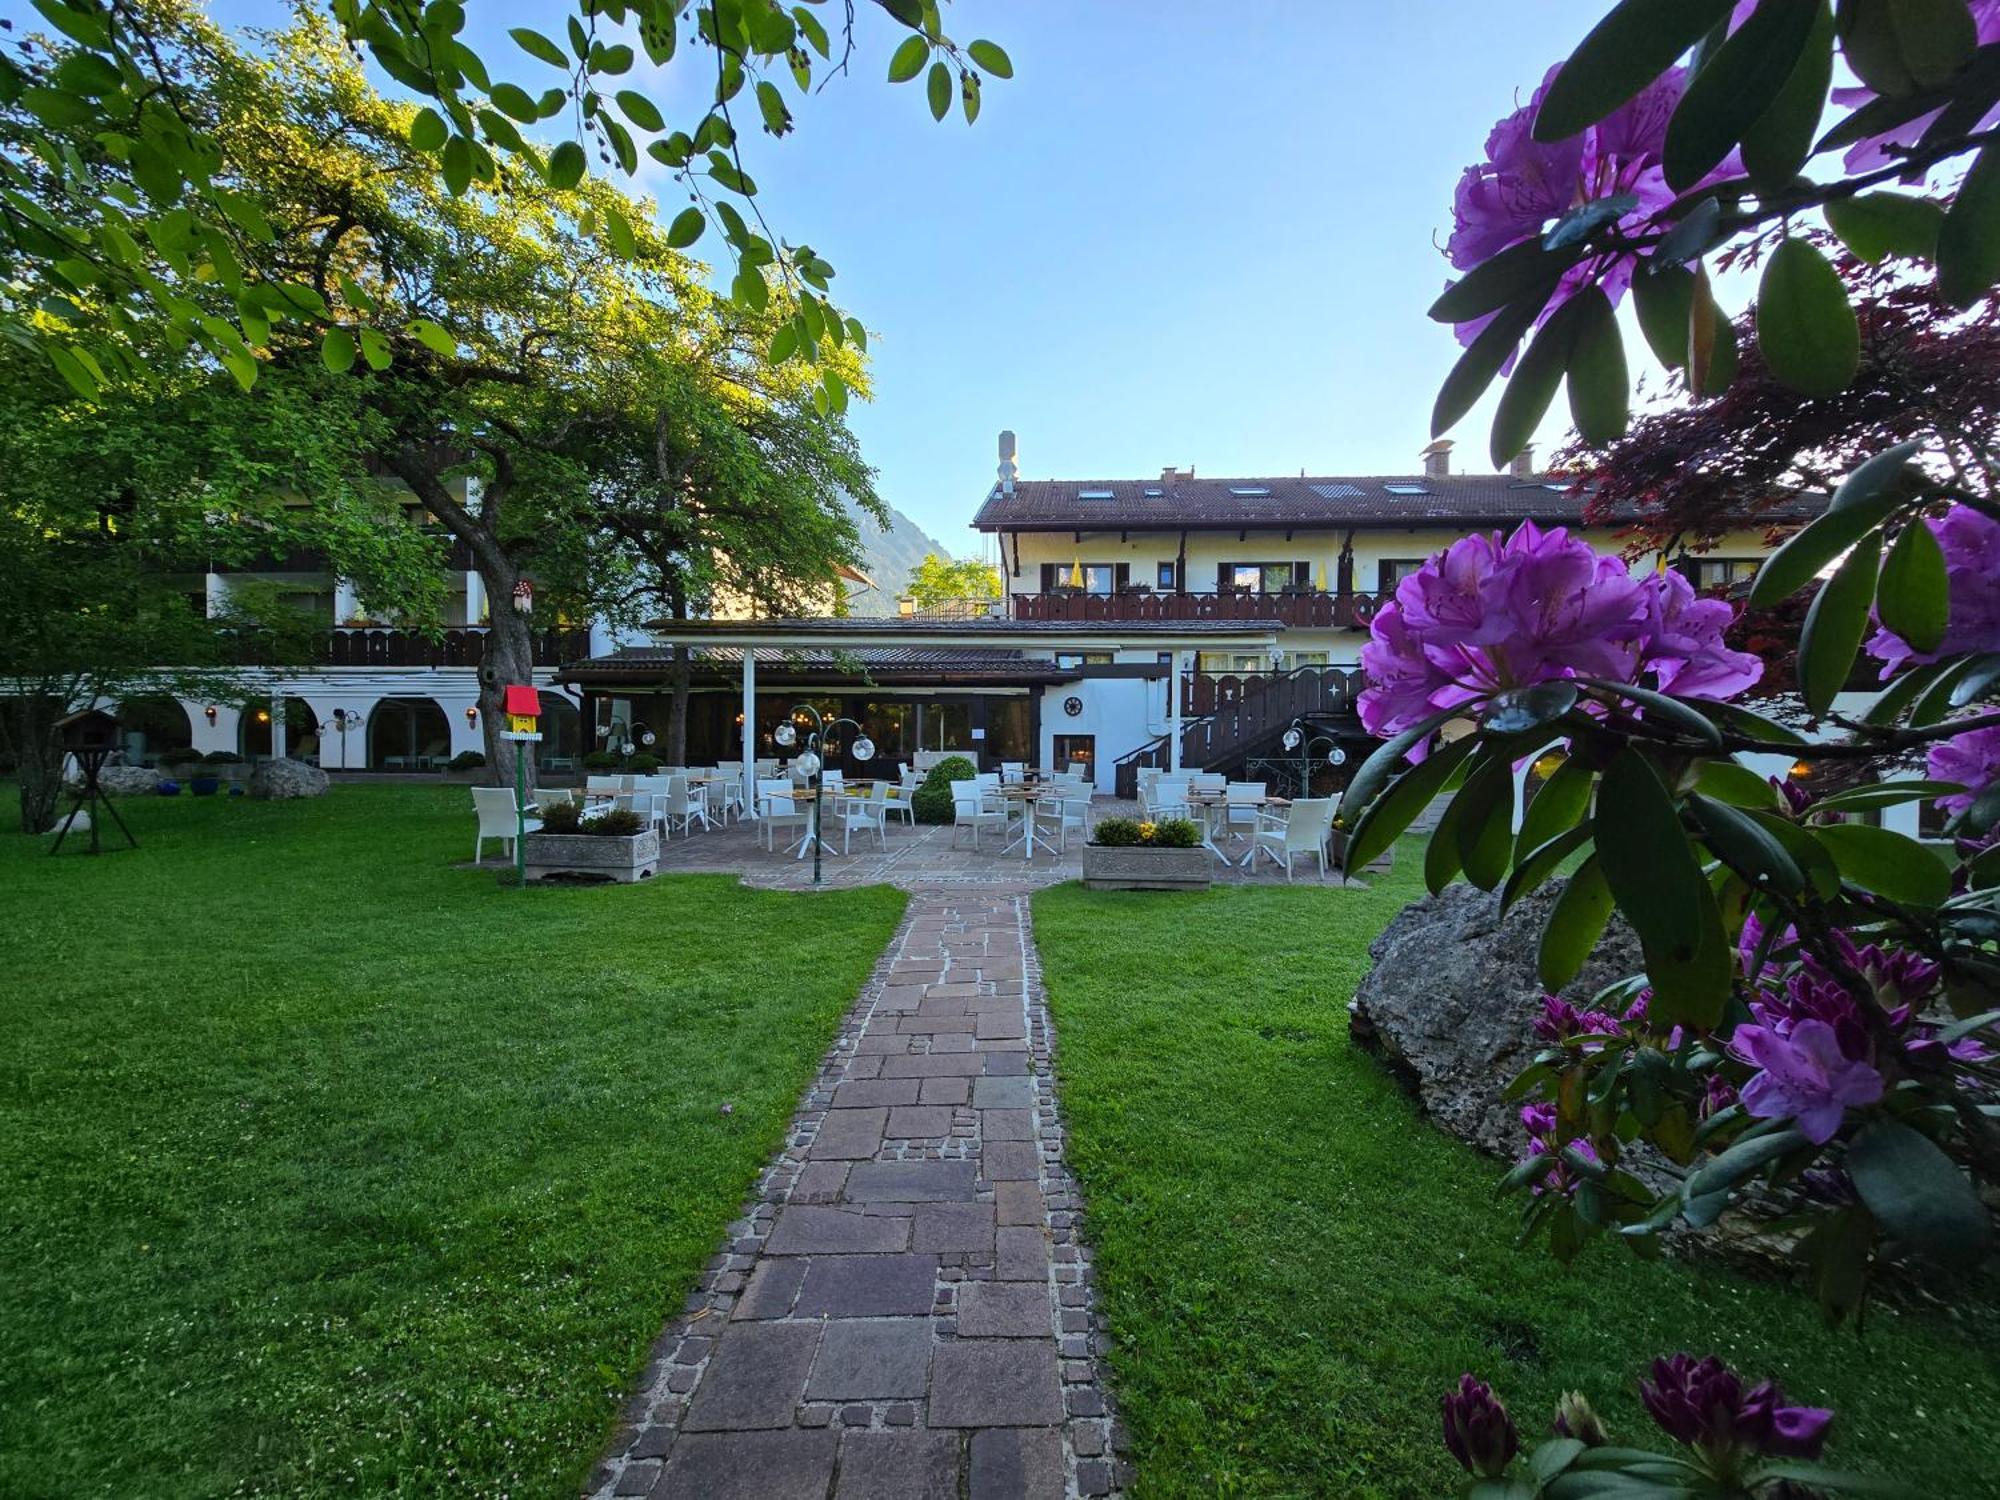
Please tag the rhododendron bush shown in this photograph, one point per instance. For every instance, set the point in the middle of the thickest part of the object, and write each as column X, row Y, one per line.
column 1814, row 1027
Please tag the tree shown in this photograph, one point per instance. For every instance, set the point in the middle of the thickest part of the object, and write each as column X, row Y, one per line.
column 107, row 512
column 155, row 167
column 1687, row 472
column 1817, row 1012
column 938, row 579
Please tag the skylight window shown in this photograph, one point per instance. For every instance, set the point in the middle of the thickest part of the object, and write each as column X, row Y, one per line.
column 1558, row 488
column 1152, row 492
column 1094, row 495
column 1336, row 491
column 1249, row 491
column 1406, row 489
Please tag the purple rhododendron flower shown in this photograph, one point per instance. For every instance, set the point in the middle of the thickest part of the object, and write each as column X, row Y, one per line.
column 1488, row 614
column 1804, row 1076
column 1875, row 151
column 1806, row 997
column 1972, row 760
column 1717, row 1094
column 1703, row 1403
column 1559, row 1021
column 1539, row 1120
column 1971, row 545
column 1477, row 1428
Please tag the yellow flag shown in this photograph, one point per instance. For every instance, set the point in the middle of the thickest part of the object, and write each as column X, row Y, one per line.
column 1076, row 573
column 1320, row 584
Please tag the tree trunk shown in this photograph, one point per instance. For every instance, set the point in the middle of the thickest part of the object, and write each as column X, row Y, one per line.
column 678, row 684
column 509, row 660
column 27, row 735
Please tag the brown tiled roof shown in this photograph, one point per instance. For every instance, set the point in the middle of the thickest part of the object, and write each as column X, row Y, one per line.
column 776, row 665
column 1327, row 501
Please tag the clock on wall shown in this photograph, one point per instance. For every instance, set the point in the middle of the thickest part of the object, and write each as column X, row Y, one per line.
column 1073, row 706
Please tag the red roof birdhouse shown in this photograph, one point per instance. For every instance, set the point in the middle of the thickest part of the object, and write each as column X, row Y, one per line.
column 523, row 702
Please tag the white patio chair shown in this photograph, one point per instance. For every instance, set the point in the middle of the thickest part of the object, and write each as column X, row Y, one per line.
column 1298, row 829
column 601, row 786
column 678, row 804
column 969, row 809
column 724, row 795
column 496, row 808
column 1241, row 811
column 765, row 766
column 1169, row 800
column 779, row 812
column 1208, row 781
column 902, row 799
column 867, row 811
column 1056, row 816
column 548, row 797
column 1013, row 771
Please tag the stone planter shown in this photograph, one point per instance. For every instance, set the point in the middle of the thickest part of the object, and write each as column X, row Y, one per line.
column 1135, row 868
column 1337, row 851
column 590, row 856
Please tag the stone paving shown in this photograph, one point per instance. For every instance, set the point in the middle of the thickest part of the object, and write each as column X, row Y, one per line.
column 904, row 1309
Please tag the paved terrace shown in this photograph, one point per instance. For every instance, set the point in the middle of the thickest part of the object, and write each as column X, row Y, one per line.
column 926, row 855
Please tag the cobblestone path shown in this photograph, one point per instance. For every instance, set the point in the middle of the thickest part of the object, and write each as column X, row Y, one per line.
column 904, row 1309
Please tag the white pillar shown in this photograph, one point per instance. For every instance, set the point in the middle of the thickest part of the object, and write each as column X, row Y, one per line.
column 346, row 602
column 278, row 744
column 215, row 591
column 749, row 732
column 475, row 598
column 1174, row 711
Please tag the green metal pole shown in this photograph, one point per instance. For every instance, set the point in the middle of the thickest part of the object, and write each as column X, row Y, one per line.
column 520, row 814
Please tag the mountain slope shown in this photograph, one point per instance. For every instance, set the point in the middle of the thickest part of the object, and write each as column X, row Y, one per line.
column 889, row 556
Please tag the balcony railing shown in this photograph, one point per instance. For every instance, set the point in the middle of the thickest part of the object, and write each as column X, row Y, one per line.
column 1301, row 608
column 463, row 646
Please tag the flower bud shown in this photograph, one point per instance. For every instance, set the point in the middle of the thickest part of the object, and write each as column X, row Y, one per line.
column 1477, row 1429
column 1575, row 1418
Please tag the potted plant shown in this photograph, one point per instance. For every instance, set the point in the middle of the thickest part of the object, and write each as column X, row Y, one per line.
column 614, row 846
column 1127, row 855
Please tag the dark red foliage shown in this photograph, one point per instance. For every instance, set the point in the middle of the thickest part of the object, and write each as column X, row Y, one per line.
column 1694, row 471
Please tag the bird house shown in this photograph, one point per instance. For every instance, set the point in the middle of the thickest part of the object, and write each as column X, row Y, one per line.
column 523, row 707
column 92, row 729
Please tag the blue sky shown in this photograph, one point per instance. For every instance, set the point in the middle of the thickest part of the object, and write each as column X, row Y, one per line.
column 1182, row 234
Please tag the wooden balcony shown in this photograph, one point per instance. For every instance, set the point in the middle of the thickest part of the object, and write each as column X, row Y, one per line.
column 1298, row 608
column 463, row 646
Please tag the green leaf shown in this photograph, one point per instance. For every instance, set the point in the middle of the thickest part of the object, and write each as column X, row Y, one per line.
column 1385, row 760
column 1886, row 862
column 1521, row 709
column 1821, row 874
column 565, row 166
column 1741, row 1160
column 1877, row 225
column 618, row 230
column 907, row 61
column 1712, row 352
column 1485, row 827
column 1738, row 84
column 1556, row 806
column 784, row 344
column 1575, row 924
column 1805, row 327
column 1968, row 251
column 1746, row 846
column 1885, row 794
column 432, row 336
column 375, row 349
column 1481, row 361
column 336, row 350
column 1917, row 1193
column 1913, row 594
column 1662, row 296
column 539, row 47
column 1897, row 47
column 1776, row 145
column 1738, row 785
column 992, row 58
column 1599, row 387
column 515, row 102
column 686, row 229
column 1835, row 624
column 1628, row 49
column 640, row 110
column 1540, row 862
column 938, row 89
column 1662, row 706
column 1532, row 386
column 1652, row 872
column 1505, row 279
column 428, row 130
column 1389, row 814
column 457, row 165
column 1864, row 500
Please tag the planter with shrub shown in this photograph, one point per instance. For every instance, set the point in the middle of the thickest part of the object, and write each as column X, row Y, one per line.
column 933, row 799
column 1126, row 855
column 643, row 764
column 614, row 846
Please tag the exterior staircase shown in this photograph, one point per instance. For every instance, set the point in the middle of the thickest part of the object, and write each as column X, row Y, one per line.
column 1232, row 717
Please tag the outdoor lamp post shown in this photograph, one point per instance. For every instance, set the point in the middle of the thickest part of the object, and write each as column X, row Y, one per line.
column 1299, row 737
column 809, row 760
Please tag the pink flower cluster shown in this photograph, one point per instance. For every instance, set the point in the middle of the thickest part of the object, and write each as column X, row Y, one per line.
column 1488, row 614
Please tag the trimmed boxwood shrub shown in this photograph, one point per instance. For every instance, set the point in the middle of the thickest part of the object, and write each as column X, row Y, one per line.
column 643, row 765
column 933, row 798
column 600, row 760
column 467, row 760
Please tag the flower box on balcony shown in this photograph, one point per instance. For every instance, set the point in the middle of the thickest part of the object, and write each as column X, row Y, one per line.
column 1135, row 867
column 593, row 856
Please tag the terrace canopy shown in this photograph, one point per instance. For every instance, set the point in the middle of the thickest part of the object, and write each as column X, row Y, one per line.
column 910, row 651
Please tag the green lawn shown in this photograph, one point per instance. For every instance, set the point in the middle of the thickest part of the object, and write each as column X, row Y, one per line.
column 328, row 1168
column 1295, row 1265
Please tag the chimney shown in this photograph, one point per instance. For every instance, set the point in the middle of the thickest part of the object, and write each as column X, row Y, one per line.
column 1523, row 466
column 1008, row 468
column 1437, row 458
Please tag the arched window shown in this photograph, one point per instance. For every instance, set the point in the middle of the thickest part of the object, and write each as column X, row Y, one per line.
column 408, row 734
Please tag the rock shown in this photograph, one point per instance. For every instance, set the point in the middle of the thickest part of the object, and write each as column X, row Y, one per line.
column 279, row 779
column 129, row 781
column 1450, row 1003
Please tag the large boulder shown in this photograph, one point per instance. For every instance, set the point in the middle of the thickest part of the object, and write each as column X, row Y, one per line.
column 1451, row 1002
column 129, row 781
column 280, row 779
